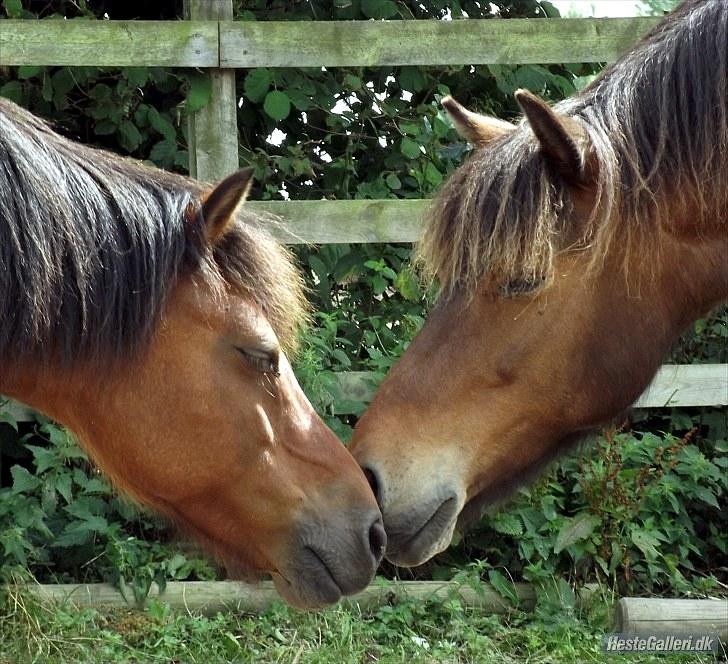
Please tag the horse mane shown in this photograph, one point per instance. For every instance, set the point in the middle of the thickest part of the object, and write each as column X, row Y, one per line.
column 92, row 244
column 658, row 124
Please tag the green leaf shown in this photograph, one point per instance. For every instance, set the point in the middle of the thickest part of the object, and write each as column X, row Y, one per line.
column 410, row 128
column 257, row 83
column 379, row 284
column 502, row 586
column 393, row 182
column 137, row 76
column 707, row 496
column 163, row 153
column 507, row 524
column 277, row 105
column 198, row 92
column 341, row 357
column 104, row 128
column 408, row 285
column 129, row 136
column 299, row 99
column 23, row 480
column 532, row 77
column 432, row 175
column 7, row 418
column 63, row 82
column 566, row 595
column 378, row 8
column 62, row 484
column 29, row 71
column 162, row 124
column 410, row 148
column 575, row 529
column 13, row 90
column 95, row 485
column 100, row 92
column 14, row 8
column 412, row 79
column 645, row 542
column 352, row 81
column 320, row 270
column 47, row 88
column 43, row 458
column 77, row 533
column 346, row 267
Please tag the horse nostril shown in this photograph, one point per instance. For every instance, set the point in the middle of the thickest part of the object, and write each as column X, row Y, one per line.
column 374, row 483
column 377, row 540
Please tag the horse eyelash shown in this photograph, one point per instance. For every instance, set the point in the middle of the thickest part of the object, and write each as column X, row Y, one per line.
column 266, row 365
column 520, row 287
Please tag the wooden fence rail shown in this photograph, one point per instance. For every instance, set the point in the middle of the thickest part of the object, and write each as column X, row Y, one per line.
column 210, row 40
column 211, row 597
column 110, row 43
column 244, row 44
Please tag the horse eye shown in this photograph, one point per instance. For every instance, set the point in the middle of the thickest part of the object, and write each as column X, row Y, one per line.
column 519, row 287
column 261, row 360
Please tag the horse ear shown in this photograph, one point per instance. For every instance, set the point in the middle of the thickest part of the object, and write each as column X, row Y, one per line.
column 562, row 139
column 473, row 127
column 221, row 204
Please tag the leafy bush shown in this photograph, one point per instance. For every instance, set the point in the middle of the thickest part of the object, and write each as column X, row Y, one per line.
column 636, row 509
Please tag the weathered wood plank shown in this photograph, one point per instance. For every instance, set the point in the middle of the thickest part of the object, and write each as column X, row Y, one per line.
column 313, row 44
column 213, row 130
column 657, row 615
column 687, row 385
column 331, row 222
column 379, row 43
column 210, row 597
column 109, row 43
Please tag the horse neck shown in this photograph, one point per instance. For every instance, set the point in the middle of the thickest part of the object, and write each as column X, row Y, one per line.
column 688, row 277
column 66, row 395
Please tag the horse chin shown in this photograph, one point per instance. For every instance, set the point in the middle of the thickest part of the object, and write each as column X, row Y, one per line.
column 408, row 548
column 238, row 571
column 308, row 585
column 306, row 592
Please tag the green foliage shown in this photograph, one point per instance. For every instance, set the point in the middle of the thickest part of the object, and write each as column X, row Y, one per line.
column 657, row 7
column 636, row 509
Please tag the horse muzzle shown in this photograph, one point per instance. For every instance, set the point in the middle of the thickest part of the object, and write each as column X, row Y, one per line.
column 332, row 558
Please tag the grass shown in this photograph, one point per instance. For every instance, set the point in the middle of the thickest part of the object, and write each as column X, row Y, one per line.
column 409, row 632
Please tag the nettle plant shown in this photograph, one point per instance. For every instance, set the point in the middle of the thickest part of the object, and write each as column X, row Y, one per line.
column 618, row 510
column 641, row 508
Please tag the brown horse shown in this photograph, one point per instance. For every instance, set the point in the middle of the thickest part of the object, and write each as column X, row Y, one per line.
column 571, row 249
column 138, row 311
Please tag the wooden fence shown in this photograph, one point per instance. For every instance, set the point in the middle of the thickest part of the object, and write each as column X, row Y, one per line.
column 209, row 39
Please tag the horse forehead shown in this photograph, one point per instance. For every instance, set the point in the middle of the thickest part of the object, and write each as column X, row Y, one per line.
column 223, row 307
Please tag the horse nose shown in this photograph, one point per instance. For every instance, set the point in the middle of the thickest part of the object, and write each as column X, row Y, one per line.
column 377, row 540
column 375, row 482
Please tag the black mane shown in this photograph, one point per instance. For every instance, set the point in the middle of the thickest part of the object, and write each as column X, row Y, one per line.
column 91, row 245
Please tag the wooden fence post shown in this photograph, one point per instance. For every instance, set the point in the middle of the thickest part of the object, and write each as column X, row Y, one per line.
column 213, row 130
column 659, row 615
